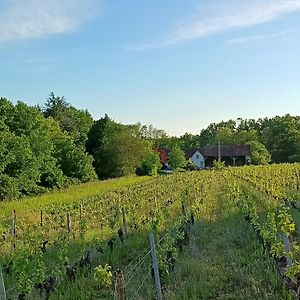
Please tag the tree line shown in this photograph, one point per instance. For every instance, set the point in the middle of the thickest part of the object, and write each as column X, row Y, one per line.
column 51, row 146
column 272, row 140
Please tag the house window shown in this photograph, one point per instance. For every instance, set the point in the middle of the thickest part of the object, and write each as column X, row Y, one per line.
column 197, row 156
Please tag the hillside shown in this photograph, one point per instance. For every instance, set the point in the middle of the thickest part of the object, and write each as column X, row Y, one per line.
column 212, row 228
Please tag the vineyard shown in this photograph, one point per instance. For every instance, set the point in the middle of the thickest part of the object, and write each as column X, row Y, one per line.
column 220, row 234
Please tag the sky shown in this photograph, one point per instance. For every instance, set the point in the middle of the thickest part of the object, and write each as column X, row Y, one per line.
column 176, row 64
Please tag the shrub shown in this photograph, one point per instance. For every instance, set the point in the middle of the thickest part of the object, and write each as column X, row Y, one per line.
column 218, row 165
column 103, row 276
column 9, row 188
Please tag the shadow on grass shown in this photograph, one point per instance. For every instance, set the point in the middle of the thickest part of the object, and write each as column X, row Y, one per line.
column 225, row 260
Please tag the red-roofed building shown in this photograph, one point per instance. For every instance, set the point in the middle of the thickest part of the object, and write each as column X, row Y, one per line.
column 163, row 154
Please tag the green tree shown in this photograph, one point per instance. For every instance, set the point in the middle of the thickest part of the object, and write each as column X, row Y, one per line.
column 75, row 122
column 210, row 134
column 225, row 135
column 243, row 137
column 177, row 158
column 281, row 136
column 120, row 151
column 74, row 162
column 259, row 154
column 35, row 154
column 96, row 135
column 150, row 165
column 189, row 140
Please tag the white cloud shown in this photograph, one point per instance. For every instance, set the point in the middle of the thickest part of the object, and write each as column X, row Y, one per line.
column 221, row 17
column 30, row 19
column 260, row 38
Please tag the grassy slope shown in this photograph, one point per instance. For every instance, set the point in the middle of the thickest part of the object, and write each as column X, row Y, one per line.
column 224, row 260
column 68, row 195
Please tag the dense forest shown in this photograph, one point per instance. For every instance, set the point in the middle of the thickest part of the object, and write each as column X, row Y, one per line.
column 51, row 146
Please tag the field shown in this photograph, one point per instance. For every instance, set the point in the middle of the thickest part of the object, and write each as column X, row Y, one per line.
column 220, row 234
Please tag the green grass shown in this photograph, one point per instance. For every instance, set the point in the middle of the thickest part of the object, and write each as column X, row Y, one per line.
column 224, row 260
column 71, row 194
column 296, row 217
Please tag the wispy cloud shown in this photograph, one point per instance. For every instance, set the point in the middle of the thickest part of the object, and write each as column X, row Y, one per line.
column 21, row 65
column 260, row 38
column 220, row 17
column 30, row 19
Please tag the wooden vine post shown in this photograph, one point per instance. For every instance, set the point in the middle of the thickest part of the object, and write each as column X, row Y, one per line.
column 2, row 287
column 124, row 223
column 119, row 285
column 183, row 211
column 155, row 267
column 202, row 189
column 289, row 262
column 41, row 218
column 287, row 247
column 69, row 222
column 13, row 229
column 81, row 212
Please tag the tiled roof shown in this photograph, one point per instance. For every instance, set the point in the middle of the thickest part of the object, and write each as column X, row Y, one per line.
column 163, row 153
column 190, row 152
column 226, row 150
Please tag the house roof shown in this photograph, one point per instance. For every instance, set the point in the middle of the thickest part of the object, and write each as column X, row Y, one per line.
column 209, row 151
column 190, row 152
column 226, row 150
column 163, row 153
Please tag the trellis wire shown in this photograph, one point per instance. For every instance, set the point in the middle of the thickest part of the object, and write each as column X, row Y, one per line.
column 139, row 263
column 137, row 269
column 2, row 286
column 144, row 280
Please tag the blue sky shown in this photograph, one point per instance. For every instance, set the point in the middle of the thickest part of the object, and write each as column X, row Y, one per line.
column 178, row 65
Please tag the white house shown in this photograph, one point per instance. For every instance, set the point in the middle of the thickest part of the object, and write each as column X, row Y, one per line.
column 195, row 157
column 231, row 155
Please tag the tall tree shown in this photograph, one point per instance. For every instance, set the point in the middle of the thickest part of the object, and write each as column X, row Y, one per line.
column 281, row 136
column 177, row 158
column 96, row 135
column 75, row 122
column 116, row 148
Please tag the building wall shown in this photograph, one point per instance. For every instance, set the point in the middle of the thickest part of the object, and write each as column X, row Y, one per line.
column 198, row 160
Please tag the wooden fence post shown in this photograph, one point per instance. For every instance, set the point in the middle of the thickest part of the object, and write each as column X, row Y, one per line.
column 183, row 211
column 287, row 247
column 69, row 222
column 41, row 218
column 201, row 189
column 81, row 211
column 13, row 226
column 120, row 285
column 13, row 229
column 155, row 267
column 2, row 287
column 124, row 223
column 289, row 262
